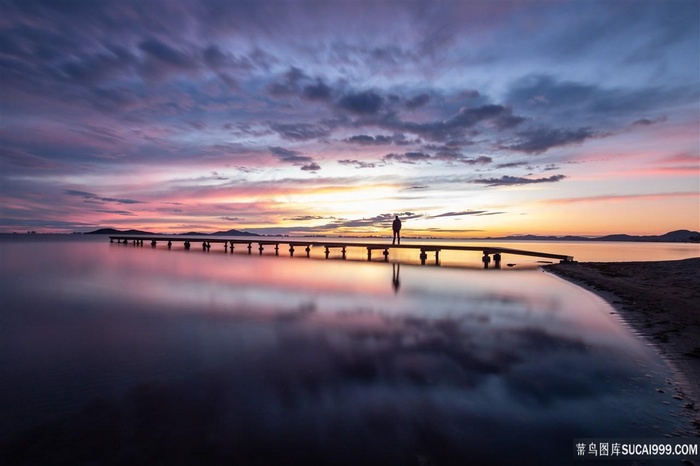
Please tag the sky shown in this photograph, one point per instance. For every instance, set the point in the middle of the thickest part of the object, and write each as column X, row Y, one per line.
column 465, row 118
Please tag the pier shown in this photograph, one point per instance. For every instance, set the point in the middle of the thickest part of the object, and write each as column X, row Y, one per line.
column 489, row 253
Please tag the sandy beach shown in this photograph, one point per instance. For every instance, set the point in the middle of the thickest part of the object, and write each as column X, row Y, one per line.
column 660, row 301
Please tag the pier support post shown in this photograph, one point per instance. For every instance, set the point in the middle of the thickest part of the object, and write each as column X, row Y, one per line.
column 187, row 245
column 369, row 254
column 423, row 256
column 231, row 247
column 170, row 244
column 386, row 255
column 497, row 260
column 277, row 249
column 437, row 257
column 204, row 245
column 291, row 250
column 308, row 251
column 250, row 248
column 260, row 248
column 153, row 243
column 111, row 240
column 328, row 251
column 225, row 246
column 343, row 252
column 486, row 260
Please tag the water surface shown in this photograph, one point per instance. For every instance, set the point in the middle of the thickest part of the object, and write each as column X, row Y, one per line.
column 116, row 353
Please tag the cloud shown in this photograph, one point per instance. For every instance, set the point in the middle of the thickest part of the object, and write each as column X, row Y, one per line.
column 292, row 156
column 311, row 167
column 317, row 91
column 455, row 127
column 417, row 101
column 620, row 197
column 366, row 140
column 515, row 180
column 232, row 219
column 466, row 212
column 541, row 140
column 289, row 84
column 458, row 214
column 299, row 131
column 382, row 220
column 649, row 122
column 94, row 197
column 305, row 218
column 407, row 157
column 450, row 156
column 512, row 164
column 357, row 163
column 362, row 103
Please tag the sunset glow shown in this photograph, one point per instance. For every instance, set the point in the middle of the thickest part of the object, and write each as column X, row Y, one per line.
column 467, row 119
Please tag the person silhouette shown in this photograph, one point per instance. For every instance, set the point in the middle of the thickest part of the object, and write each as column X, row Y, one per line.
column 396, row 226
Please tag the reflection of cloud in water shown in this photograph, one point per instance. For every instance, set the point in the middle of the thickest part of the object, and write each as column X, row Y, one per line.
column 188, row 360
column 367, row 388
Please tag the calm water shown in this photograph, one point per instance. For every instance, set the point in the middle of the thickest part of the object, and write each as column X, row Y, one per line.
column 115, row 354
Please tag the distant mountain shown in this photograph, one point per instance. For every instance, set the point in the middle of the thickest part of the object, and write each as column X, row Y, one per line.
column 233, row 233
column 220, row 233
column 678, row 236
column 113, row 231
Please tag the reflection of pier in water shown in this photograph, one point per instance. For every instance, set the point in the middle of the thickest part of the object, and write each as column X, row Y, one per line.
column 487, row 251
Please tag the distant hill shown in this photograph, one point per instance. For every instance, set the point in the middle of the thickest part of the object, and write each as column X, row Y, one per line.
column 678, row 236
column 114, row 231
column 220, row 233
column 233, row 233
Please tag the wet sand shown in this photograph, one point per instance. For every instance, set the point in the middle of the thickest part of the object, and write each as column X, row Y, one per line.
column 660, row 301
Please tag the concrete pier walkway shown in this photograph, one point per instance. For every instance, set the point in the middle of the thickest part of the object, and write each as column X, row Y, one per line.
column 305, row 246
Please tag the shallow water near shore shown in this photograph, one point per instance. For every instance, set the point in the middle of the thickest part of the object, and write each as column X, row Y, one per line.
column 113, row 352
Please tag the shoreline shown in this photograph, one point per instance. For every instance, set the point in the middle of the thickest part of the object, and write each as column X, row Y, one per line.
column 660, row 301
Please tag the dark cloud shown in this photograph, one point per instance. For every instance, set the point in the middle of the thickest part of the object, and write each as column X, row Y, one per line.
column 289, row 84
column 305, row 218
column 369, row 140
column 362, row 103
column 407, row 157
column 515, row 180
column 317, row 91
column 292, row 156
column 232, row 219
column 398, row 138
column 357, row 163
column 311, row 167
column 591, row 104
column 165, row 53
column 459, row 214
column 94, row 197
column 649, row 122
column 512, row 164
column 299, row 131
column 381, row 220
column 417, row 101
column 455, row 127
column 117, row 212
column 541, row 140
column 443, row 155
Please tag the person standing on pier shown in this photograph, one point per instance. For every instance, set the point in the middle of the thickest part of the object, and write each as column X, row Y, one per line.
column 396, row 226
